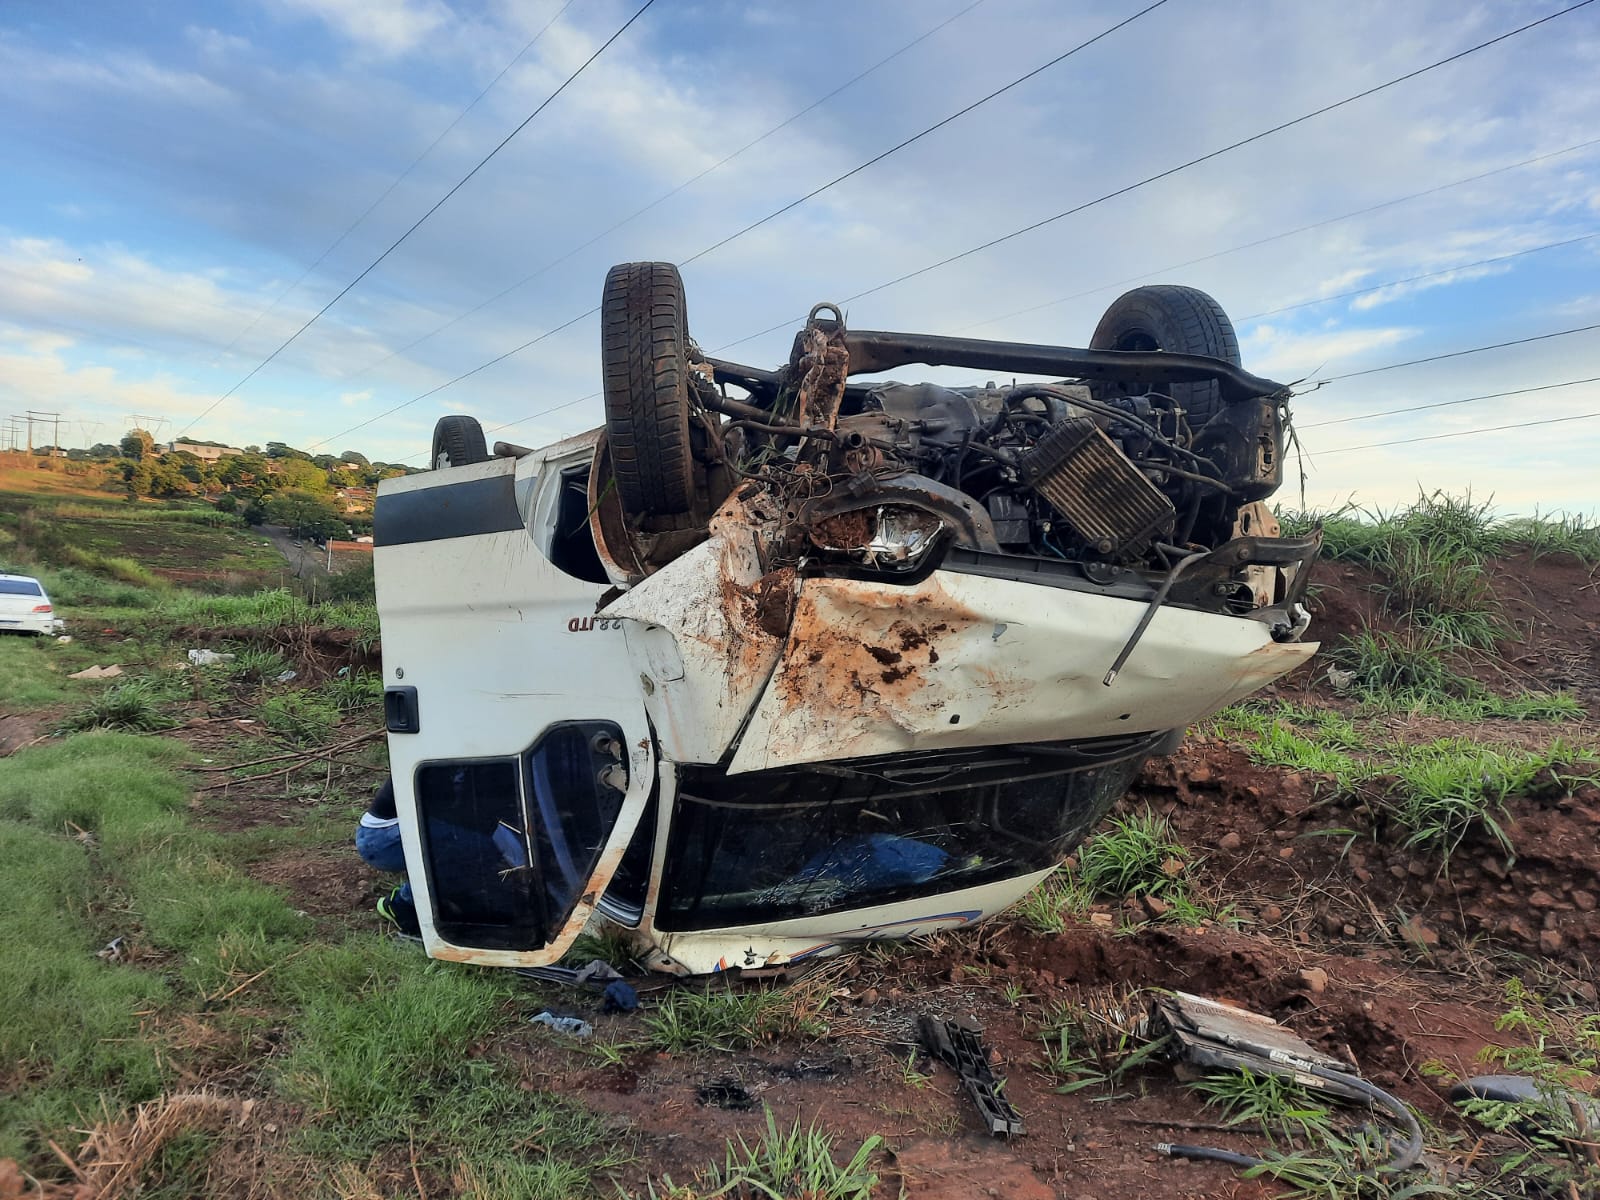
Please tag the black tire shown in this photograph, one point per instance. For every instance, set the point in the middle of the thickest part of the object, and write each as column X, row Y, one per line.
column 457, row 442
column 1180, row 320
column 644, row 345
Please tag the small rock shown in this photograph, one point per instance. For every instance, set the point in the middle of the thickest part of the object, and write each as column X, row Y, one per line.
column 1584, row 901
column 1271, row 914
column 1397, row 871
column 1157, row 906
column 1286, row 852
column 868, row 998
column 1493, row 866
column 1362, row 874
column 1200, row 773
column 1349, row 931
column 1541, row 899
column 1230, row 841
column 1519, row 928
column 1418, row 869
column 1102, row 920
column 1316, row 980
column 1418, row 934
column 1550, row 942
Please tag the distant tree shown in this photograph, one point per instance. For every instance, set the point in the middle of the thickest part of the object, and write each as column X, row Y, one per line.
column 158, row 477
column 284, row 450
column 355, row 456
column 303, row 474
column 305, row 513
column 252, row 449
column 103, row 450
column 138, row 444
column 227, row 502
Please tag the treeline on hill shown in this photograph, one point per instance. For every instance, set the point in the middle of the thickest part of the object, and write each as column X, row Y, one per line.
column 316, row 496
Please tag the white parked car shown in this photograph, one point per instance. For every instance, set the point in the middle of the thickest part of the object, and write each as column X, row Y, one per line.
column 778, row 661
column 25, row 607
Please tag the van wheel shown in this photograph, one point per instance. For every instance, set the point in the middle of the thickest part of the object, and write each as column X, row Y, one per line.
column 457, row 442
column 644, row 348
column 1180, row 320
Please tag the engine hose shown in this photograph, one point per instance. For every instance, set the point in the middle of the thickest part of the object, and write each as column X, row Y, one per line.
column 1409, row 1154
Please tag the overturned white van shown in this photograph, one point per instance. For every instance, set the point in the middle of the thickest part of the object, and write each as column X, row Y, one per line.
column 780, row 660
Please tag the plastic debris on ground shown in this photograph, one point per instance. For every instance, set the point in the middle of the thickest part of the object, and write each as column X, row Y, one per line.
column 571, row 1026
column 208, row 658
column 958, row 1046
column 285, row 677
column 97, row 672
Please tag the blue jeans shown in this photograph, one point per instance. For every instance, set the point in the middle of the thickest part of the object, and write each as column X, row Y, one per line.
column 380, row 849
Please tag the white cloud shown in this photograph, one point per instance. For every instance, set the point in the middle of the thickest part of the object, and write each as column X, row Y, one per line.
column 388, row 27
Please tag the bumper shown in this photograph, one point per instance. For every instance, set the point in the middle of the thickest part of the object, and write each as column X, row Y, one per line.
column 958, row 660
column 43, row 624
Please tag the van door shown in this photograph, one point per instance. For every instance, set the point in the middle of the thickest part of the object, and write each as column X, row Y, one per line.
column 521, row 753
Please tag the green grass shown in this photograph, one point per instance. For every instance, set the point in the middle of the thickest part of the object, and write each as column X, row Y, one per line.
column 379, row 1048
column 1134, row 855
column 783, row 1163
column 690, row 1021
column 1092, row 1040
column 131, row 704
column 302, row 717
column 1057, row 902
column 1450, row 787
column 29, row 677
column 1286, row 1110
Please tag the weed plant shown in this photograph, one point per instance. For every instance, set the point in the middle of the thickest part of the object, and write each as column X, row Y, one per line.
column 132, row 704
column 1059, row 900
column 783, row 1163
column 1092, row 1041
column 303, row 717
column 1135, row 856
column 1284, row 1109
column 689, row 1021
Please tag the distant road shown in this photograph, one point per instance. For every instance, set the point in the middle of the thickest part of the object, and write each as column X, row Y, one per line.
column 306, row 560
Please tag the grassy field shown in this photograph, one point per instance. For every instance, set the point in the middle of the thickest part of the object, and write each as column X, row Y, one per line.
column 78, row 526
column 179, row 878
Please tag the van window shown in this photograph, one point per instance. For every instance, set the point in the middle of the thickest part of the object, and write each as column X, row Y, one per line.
column 773, row 845
column 510, row 843
column 571, row 544
column 20, row 587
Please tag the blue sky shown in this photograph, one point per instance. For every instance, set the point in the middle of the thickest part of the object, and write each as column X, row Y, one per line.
column 174, row 169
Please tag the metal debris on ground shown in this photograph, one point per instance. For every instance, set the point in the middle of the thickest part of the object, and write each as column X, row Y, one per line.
column 1222, row 1037
column 957, row 1044
column 112, row 951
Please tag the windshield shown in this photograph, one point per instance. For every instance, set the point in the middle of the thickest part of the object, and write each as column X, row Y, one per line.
column 20, row 587
column 773, row 845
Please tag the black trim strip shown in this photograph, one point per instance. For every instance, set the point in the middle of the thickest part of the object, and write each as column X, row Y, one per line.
column 451, row 511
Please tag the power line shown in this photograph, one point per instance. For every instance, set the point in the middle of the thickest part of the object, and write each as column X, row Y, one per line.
column 793, row 204
column 1277, row 237
column 1539, row 337
column 1392, row 412
column 1193, row 162
column 658, row 201
column 1080, row 207
column 917, row 137
column 436, row 206
column 400, row 178
column 1435, row 437
column 1378, row 287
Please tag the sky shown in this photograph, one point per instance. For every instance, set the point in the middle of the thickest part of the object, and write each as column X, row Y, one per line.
column 187, row 184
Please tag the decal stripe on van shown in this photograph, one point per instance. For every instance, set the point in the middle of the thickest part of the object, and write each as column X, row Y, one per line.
column 451, row 510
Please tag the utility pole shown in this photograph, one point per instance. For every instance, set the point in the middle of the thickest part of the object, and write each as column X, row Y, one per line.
column 44, row 418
